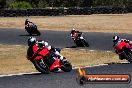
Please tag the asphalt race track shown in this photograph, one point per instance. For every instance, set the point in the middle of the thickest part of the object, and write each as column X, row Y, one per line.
column 97, row 41
column 65, row 80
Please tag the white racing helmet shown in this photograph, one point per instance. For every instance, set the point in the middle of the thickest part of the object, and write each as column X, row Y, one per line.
column 32, row 39
column 73, row 29
column 116, row 39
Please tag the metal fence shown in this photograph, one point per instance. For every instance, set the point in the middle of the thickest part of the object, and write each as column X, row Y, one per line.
column 65, row 11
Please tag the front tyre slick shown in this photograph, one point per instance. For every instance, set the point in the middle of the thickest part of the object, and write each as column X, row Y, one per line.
column 41, row 66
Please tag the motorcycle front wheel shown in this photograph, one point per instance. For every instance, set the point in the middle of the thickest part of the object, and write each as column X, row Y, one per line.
column 85, row 43
column 128, row 55
column 41, row 66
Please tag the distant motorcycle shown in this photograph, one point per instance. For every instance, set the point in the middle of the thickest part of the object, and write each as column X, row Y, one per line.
column 45, row 61
column 125, row 49
column 32, row 30
column 79, row 40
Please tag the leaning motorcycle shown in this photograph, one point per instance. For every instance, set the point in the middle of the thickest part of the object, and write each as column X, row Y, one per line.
column 80, row 41
column 33, row 30
column 44, row 61
column 124, row 49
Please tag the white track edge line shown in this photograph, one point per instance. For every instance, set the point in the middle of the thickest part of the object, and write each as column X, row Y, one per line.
column 39, row 72
column 8, row 75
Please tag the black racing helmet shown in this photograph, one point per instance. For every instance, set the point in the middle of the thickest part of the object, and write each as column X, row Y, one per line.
column 31, row 41
column 116, row 39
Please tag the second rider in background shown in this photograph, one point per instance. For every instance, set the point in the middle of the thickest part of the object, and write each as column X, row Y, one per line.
column 75, row 34
column 117, row 40
column 31, row 28
column 78, row 39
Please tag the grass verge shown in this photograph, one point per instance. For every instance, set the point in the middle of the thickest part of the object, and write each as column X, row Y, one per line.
column 117, row 23
column 13, row 58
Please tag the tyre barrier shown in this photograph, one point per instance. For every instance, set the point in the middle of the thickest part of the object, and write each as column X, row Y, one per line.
column 65, row 11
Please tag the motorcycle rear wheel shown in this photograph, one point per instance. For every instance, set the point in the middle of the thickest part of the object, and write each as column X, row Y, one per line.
column 67, row 67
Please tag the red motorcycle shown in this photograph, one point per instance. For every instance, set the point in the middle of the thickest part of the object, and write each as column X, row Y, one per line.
column 44, row 61
column 124, row 49
column 79, row 40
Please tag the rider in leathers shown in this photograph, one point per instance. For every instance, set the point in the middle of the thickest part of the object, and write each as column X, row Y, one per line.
column 42, row 44
column 28, row 24
column 31, row 27
column 75, row 34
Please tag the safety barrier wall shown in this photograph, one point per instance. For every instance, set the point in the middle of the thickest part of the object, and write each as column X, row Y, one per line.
column 66, row 11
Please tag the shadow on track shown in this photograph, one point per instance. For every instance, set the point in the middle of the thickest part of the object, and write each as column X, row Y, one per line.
column 75, row 47
column 72, row 47
column 39, row 73
column 28, row 35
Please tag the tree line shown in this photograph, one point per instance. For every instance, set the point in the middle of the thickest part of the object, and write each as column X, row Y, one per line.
column 24, row 4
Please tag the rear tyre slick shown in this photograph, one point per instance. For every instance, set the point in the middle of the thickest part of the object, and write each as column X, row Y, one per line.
column 67, row 67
